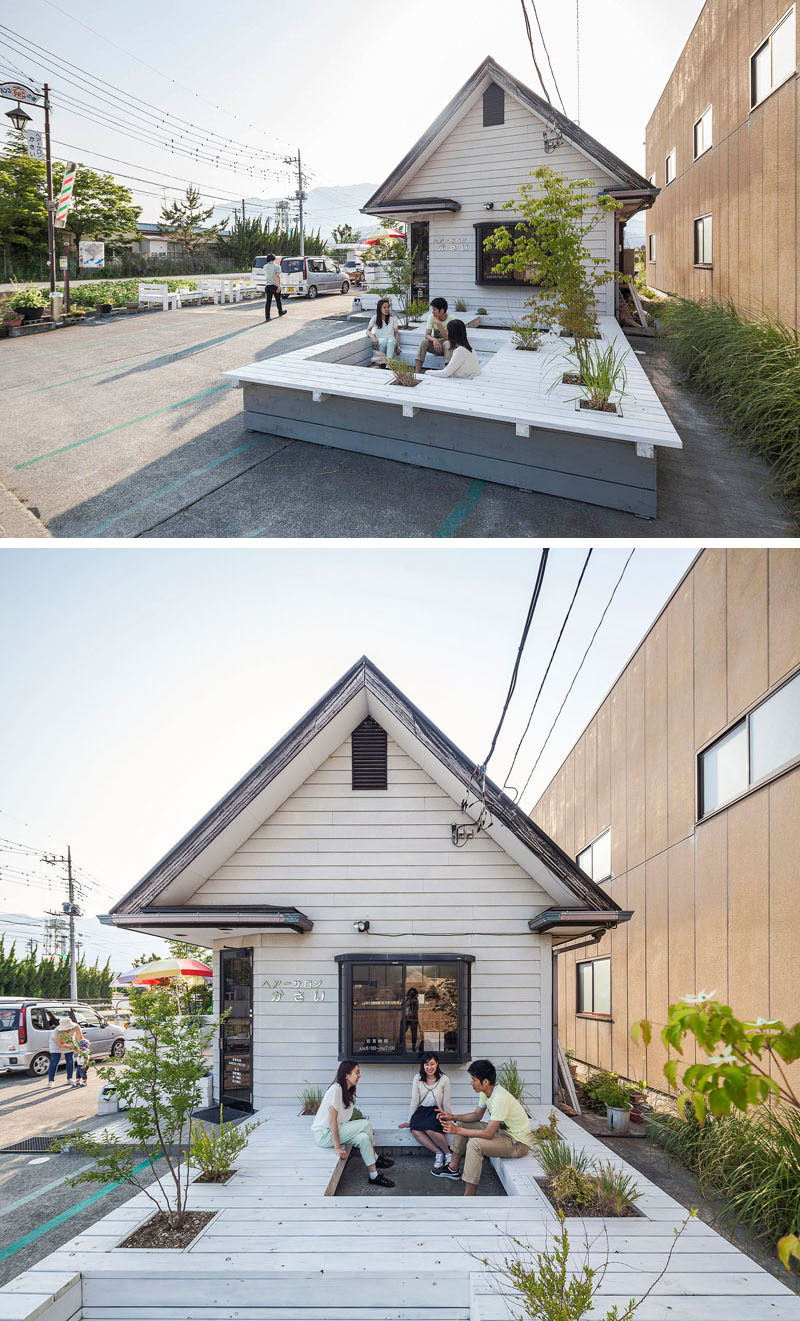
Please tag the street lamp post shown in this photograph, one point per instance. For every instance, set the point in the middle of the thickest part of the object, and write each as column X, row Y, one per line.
column 20, row 118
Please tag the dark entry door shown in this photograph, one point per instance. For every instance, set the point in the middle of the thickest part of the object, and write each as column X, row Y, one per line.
column 419, row 243
column 236, row 1037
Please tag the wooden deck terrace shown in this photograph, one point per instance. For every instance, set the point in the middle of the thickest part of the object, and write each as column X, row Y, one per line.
column 517, row 423
column 280, row 1248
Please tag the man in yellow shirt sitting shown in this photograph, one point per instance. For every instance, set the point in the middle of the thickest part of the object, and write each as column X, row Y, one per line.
column 507, row 1134
column 435, row 338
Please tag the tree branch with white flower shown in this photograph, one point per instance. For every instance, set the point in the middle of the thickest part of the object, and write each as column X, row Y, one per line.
column 744, row 1066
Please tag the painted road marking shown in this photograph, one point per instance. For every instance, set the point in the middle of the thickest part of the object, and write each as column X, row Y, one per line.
column 121, row 425
column 45, row 1188
column 41, row 1230
column 457, row 516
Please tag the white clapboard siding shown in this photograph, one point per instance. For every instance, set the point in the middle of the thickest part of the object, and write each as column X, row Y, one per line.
column 340, row 855
column 477, row 164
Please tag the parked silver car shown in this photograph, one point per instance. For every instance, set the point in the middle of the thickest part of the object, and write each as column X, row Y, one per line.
column 26, row 1024
column 309, row 276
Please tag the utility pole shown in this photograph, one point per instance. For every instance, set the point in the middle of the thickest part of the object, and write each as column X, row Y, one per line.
column 300, row 196
column 71, row 910
column 51, row 206
column 242, row 210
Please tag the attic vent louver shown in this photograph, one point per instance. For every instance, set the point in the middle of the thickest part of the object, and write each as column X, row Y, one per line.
column 494, row 105
column 368, row 749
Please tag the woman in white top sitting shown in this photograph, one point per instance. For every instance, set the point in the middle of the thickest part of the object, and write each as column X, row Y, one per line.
column 463, row 360
column 384, row 331
column 429, row 1093
column 334, row 1125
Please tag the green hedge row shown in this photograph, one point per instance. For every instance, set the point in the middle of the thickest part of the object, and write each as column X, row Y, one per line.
column 117, row 292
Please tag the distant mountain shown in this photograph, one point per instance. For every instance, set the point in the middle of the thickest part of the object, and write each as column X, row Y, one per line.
column 325, row 208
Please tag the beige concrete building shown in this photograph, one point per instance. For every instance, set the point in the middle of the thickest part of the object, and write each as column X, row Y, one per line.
column 722, row 147
column 682, row 800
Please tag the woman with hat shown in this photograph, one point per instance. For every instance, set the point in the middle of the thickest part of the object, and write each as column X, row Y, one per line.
column 62, row 1041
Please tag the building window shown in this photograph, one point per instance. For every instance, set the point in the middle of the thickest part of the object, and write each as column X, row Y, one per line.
column 774, row 61
column 594, row 987
column 494, row 105
column 487, row 258
column 702, row 241
column 595, row 859
column 670, row 167
column 702, row 133
column 764, row 743
column 397, row 1007
column 651, row 241
column 369, row 756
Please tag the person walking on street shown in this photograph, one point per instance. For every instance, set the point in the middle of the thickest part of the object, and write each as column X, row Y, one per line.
column 273, row 286
column 62, row 1042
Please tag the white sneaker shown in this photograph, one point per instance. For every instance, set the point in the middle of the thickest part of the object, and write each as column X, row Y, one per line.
column 50, row 1084
column 439, row 1162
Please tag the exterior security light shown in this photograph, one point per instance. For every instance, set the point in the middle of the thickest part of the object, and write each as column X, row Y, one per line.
column 488, row 206
column 362, row 925
column 19, row 117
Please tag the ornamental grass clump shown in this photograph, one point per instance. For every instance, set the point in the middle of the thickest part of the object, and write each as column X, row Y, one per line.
column 403, row 372
column 602, row 374
column 511, row 1078
column 215, row 1150
column 750, row 370
column 310, row 1100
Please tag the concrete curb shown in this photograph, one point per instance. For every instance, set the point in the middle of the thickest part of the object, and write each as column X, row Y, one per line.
column 16, row 519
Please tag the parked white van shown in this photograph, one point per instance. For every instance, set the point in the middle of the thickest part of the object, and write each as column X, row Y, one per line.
column 309, row 276
column 257, row 275
column 26, row 1024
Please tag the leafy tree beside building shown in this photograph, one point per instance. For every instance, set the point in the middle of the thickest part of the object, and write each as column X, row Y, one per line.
column 186, row 220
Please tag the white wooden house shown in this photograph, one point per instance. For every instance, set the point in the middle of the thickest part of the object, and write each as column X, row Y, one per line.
column 452, row 185
column 358, row 862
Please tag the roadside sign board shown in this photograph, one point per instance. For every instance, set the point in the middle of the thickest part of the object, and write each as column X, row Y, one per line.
column 91, row 253
column 65, row 196
column 34, row 142
column 63, row 263
column 19, row 92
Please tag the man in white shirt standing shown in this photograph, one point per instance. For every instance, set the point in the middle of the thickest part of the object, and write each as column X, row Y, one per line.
column 272, row 271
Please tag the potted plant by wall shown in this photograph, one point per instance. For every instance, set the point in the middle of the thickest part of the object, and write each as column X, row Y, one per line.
column 31, row 302
column 617, row 1101
column 9, row 316
column 105, row 308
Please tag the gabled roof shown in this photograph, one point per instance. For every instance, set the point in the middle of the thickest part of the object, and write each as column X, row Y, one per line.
column 362, row 691
column 490, row 71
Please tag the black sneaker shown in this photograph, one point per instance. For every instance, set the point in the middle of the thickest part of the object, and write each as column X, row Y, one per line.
column 446, row 1173
column 380, row 1181
column 384, row 1163
column 281, row 314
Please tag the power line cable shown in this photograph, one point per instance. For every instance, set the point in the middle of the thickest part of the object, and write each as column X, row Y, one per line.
column 515, row 672
column 533, row 52
column 549, row 663
column 577, row 672
column 547, row 53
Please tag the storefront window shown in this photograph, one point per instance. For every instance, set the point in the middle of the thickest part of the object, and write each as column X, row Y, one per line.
column 486, row 258
column 398, row 1008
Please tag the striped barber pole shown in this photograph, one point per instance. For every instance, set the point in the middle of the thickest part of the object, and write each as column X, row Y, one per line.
column 65, row 196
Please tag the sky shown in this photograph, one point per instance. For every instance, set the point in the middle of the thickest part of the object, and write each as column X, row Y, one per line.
column 307, row 74
column 147, row 680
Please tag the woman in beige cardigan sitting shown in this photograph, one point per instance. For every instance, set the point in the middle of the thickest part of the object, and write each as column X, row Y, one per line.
column 429, row 1093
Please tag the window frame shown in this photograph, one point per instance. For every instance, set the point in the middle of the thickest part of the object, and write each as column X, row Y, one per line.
column 708, row 111
column 598, row 880
column 651, row 248
column 478, row 227
column 752, row 786
column 700, row 220
column 755, row 100
column 345, row 964
column 591, row 1013
column 671, row 155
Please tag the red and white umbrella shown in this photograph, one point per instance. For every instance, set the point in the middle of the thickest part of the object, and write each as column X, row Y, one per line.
column 382, row 234
column 172, row 970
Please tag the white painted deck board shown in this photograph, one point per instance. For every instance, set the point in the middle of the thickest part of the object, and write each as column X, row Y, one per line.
column 517, row 387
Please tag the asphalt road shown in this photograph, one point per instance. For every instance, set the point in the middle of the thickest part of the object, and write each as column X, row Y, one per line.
column 128, row 428
column 39, row 1210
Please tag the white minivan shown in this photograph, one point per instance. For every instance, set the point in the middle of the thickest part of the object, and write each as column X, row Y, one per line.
column 257, row 275
column 26, row 1024
column 309, row 276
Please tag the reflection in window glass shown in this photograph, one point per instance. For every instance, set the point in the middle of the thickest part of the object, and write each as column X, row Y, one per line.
column 585, row 860
column 775, row 731
column 601, row 857
column 584, row 988
column 783, row 50
column 602, row 986
column 724, row 769
column 405, row 1010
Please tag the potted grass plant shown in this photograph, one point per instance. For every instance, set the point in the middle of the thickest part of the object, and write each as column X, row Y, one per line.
column 601, row 374
column 617, row 1101
column 403, row 372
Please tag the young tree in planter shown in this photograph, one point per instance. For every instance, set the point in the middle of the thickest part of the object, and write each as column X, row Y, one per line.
column 160, row 1085
column 558, row 216
column 397, row 261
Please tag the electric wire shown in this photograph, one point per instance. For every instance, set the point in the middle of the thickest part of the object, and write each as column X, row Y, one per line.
column 577, row 672
column 533, row 52
column 547, row 53
column 549, row 663
column 515, row 672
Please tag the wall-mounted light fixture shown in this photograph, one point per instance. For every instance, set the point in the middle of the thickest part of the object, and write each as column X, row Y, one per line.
column 488, row 206
column 362, row 925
